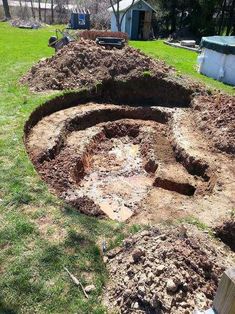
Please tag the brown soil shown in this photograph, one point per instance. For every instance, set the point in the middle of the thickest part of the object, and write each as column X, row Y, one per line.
column 84, row 63
column 172, row 270
column 215, row 116
column 146, row 164
column 226, row 232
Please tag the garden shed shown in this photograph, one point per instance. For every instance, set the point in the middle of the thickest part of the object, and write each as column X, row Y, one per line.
column 217, row 58
column 137, row 20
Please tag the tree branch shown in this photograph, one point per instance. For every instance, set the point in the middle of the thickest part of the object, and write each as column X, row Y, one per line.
column 133, row 2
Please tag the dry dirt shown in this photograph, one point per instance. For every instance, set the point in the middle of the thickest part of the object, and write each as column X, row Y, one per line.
column 84, row 63
column 215, row 115
column 171, row 270
column 144, row 164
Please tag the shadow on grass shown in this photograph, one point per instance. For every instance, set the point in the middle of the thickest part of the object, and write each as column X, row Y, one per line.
column 4, row 309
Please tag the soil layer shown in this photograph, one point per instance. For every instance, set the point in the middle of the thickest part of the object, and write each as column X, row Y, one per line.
column 143, row 163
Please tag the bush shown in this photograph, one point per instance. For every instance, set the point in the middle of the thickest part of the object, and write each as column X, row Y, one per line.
column 93, row 34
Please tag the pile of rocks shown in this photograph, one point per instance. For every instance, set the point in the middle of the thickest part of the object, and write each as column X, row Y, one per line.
column 84, row 63
column 165, row 271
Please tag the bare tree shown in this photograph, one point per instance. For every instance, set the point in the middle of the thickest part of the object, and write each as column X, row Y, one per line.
column 6, row 9
column 32, row 9
column 116, row 10
column 100, row 17
column 45, row 11
column 231, row 18
column 52, row 11
column 39, row 10
column 222, row 11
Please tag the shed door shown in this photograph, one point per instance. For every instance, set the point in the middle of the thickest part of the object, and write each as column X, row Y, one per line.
column 135, row 24
column 147, row 24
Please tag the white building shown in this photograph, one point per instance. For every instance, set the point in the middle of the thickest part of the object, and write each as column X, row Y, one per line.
column 137, row 20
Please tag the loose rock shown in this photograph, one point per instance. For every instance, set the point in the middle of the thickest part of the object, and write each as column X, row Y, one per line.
column 169, row 273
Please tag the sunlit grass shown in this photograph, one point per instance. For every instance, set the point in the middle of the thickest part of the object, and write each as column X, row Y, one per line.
column 184, row 61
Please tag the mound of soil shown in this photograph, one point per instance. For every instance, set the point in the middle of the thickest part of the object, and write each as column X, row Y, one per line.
column 163, row 271
column 226, row 232
column 84, row 63
column 215, row 116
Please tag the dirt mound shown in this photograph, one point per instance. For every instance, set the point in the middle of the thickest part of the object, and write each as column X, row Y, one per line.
column 83, row 63
column 165, row 271
column 215, row 115
column 226, row 232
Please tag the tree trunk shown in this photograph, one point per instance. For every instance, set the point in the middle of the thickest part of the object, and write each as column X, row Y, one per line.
column 45, row 12
column 116, row 12
column 119, row 26
column 39, row 11
column 173, row 16
column 96, row 7
column 21, row 9
column 222, row 17
column 231, row 17
column 181, row 18
column 6, row 9
column 32, row 9
column 52, row 11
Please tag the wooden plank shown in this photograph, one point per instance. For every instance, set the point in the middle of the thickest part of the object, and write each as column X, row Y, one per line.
column 147, row 24
column 224, row 302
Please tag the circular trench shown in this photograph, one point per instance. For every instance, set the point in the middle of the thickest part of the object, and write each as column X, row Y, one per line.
column 108, row 154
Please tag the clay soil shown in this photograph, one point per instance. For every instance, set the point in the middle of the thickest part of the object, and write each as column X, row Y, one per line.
column 143, row 164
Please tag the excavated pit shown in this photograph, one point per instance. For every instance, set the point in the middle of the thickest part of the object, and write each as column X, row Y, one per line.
column 108, row 168
column 122, row 151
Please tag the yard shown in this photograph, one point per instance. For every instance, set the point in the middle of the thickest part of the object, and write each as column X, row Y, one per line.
column 39, row 234
column 182, row 60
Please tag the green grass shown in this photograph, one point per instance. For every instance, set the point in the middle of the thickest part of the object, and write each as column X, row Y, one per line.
column 39, row 235
column 184, row 61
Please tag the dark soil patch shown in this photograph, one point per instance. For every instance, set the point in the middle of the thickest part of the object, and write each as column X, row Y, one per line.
column 226, row 233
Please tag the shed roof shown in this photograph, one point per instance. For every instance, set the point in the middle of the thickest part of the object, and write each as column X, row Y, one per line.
column 126, row 4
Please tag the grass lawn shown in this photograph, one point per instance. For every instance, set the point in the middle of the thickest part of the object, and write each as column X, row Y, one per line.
column 39, row 235
column 184, row 61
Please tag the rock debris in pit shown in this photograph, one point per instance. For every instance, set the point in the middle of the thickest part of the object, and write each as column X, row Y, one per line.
column 84, row 63
column 164, row 271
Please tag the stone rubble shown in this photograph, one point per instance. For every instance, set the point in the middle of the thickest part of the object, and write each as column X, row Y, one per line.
column 162, row 272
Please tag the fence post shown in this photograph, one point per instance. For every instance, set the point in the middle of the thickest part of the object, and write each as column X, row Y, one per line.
column 224, row 302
